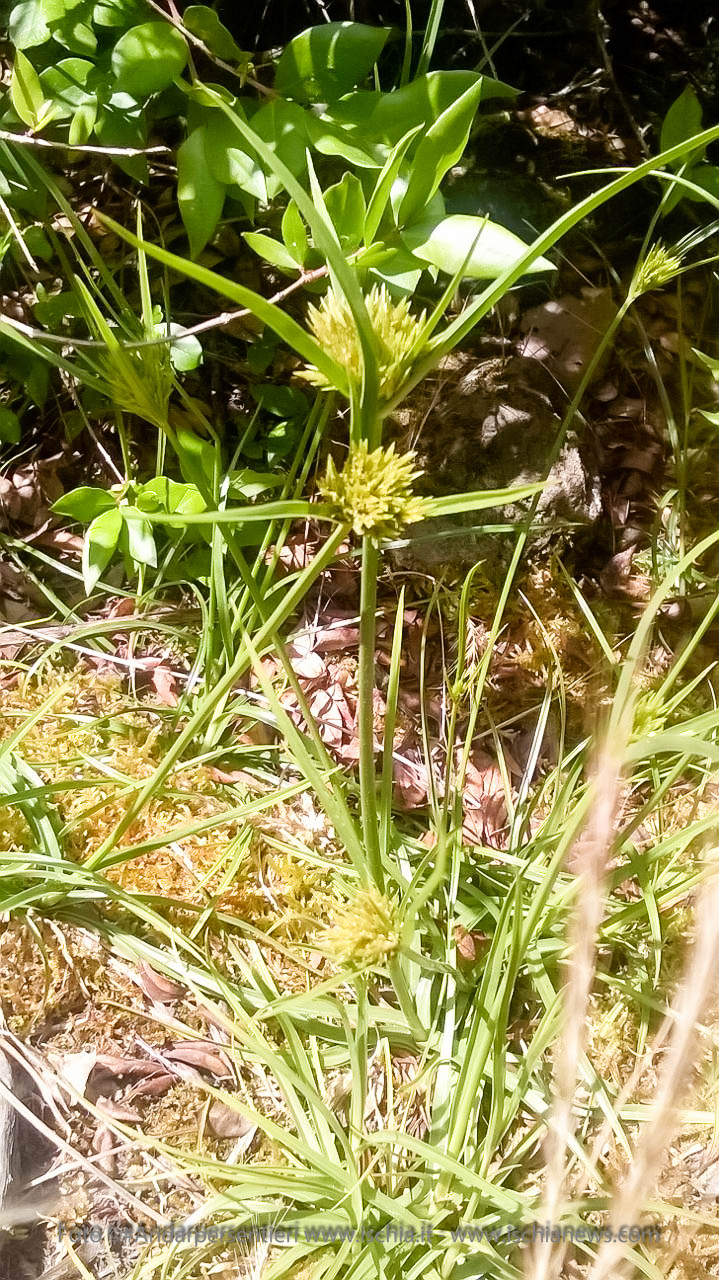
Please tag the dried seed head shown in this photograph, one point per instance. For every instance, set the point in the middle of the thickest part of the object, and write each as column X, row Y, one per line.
column 395, row 329
column 366, row 930
column 373, row 491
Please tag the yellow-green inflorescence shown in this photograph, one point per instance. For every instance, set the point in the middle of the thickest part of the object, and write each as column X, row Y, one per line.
column 395, row 329
column 373, row 491
column 140, row 382
column 657, row 268
column 366, row 931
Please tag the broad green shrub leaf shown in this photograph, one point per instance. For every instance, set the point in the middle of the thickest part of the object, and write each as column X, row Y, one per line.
column 249, row 484
column 294, row 234
column 204, row 23
column 140, row 538
column 282, row 126
column 447, row 244
column 185, row 352
column 26, row 92
column 84, row 504
column 118, row 13
column 72, row 32
column 346, row 206
column 682, row 121
column 283, row 402
column 322, row 63
column 333, row 140
column 197, row 458
column 161, row 494
column 400, row 271
column 147, row 58
column 271, row 250
column 705, row 176
column 100, row 545
column 380, row 198
column 199, row 194
column 27, row 26
column 427, row 98
column 438, row 150
column 121, row 123
column 10, row 427
column 228, row 159
column 65, row 84
column 83, row 122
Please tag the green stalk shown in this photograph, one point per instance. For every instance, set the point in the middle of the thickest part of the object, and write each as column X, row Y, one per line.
column 365, row 713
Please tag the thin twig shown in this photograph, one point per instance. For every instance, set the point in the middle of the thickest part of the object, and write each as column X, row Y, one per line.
column 215, row 322
column 175, row 20
column 30, row 140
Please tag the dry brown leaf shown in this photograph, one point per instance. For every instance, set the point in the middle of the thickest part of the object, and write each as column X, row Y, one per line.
column 203, row 1054
column 152, row 1086
column 225, row 1122
column 155, row 986
column 118, row 1110
column 104, row 1143
column 484, row 803
column 164, row 682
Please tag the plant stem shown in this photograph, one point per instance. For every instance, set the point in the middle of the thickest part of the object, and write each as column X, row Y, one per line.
column 366, row 681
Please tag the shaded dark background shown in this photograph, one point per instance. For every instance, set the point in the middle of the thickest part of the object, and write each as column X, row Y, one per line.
column 648, row 50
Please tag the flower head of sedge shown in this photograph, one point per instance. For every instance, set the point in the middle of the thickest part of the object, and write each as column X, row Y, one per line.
column 657, row 268
column 373, row 491
column 366, row 930
column 394, row 326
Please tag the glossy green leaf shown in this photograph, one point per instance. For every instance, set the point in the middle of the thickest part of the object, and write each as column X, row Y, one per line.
column 10, row 427
column 379, row 200
column 400, row 271
column 485, row 247
column 65, row 84
column 426, row 98
column 82, row 123
column 26, row 92
column 271, row 250
column 100, row 545
column 140, row 540
column 682, row 121
column 346, row 206
column 72, row 32
column 197, row 458
column 438, row 150
column 333, row 140
column 121, row 123
column 118, row 13
column 199, row 194
column 228, row 157
column 250, row 484
column 281, row 125
column 84, row 504
column 204, row 23
column 161, row 494
column 27, row 25
column 324, row 62
column 147, row 58
column 294, row 233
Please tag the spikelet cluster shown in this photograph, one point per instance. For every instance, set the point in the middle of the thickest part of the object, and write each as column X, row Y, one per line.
column 366, row 931
column 395, row 330
column 373, row 491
